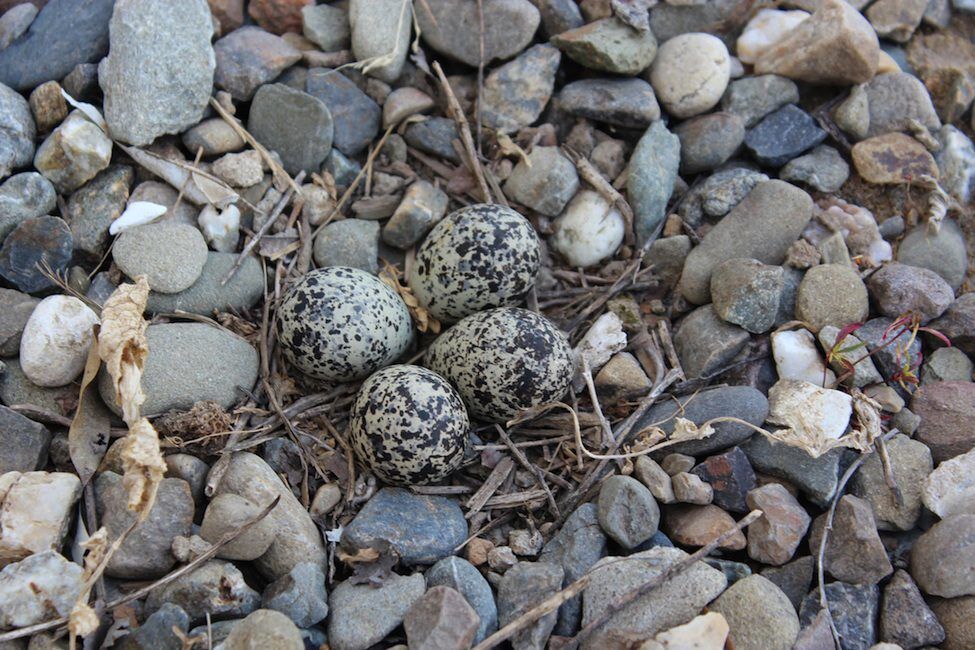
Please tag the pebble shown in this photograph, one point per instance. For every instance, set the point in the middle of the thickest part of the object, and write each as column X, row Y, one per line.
column 815, row 477
column 423, row 529
column 207, row 296
column 651, row 474
column 213, row 136
column 668, row 255
column 764, row 30
column 403, row 103
column 608, row 45
column 622, row 378
column 651, row 175
column 30, row 245
column 854, row 552
column 797, row 357
column 822, row 169
column 675, row 463
column 460, row 575
column 18, row 131
column 730, row 476
column 834, row 46
column 349, row 242
column 157, row 631
column 747, row 293
column 138, row 108
column 501, row 558
column 381, row 30
column 718, row 194
column 216, row 588
column 294, row 124
column 170, row 255
column 892, row 159
column 28, row 529
column 300, row 595
column 763, row 226
column 423, row 206
column 361, row 615
column 356, row 117
column 708, row 141
column 15, row 310
column 628, row 103
column 896, row 20
column 228, row 512
column 192, row 470
column 956, row 163
column 759, row 615
column 854, row 611
column 705, row 344
column 958, row 323
column 516, row 93
column 895, row 100
column 943, row 558
column 24, row 196
column 627, row 511
column 48, row 105
column 74, row 153
column 544, row 181
column 905, row 619
column 793, row 578
column 898, row 288
column 440, row 620
column 690, row 488
column 831, row 294
column 229, row 14
column 950, row 489
column 434, row 136
column 890, row 352
column 16, row 388
column 56, row 339
column 754, row 97
column 946, row 364
column 944, row 409
column 37, row 589
column 675, row 602
column 82, row 82
column 327, row 27
column 690, row 73
column 910, row 461
column 15, row 22
column 523, row 587
column 451, row 27
column 264, row 628
column 700, row 525
column 957, row 616
column 145, row 554
column 93, row 207
column 783, row 135
column 589, row 231
column 775, row 536
column 942, row 252
column 173, row 378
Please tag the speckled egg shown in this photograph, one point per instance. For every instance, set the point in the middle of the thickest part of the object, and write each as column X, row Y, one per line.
column 409, row 425
column 341, row 324
column 478, row 257
column 502, row 361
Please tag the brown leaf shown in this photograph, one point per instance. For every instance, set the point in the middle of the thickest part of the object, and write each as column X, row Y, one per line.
column 88, row 435
column 122, row 344
column 425, row 322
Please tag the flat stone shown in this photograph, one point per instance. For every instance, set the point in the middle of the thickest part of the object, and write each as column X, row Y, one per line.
column 170, row 255
column 621, row 378
column 32, row 244
column 815, row 477
column 628, row 512
column 349, row 242
column 910, row 463
column 708, row 141
column 24, row 196
column 810, row 411
column 423, row 206
column 669, row 20
column 893, row 159
column 300, row 595
column 730, row 476
column 228, row 512
column 950, row 489
column 691, row 525
column 214, row 136
column 157, row 630
column 295, row 124
column 958, row 323
column 754, row 97
column 783, row 135
column 945, row 408
column 896, row 20
column 441, row 618
column 942, row 252
column 93, row 208
column 138, row 108
column 516, row 93
column 362, row 615
column 558, row 15
column 690, row 488
column 451, row 28
column 747, row 293
column 250, row 57
column 523, row 587
column 16, row 388
column 327, row 27
column 705, row 343
column 381, row 32
column 905, row 619
column 207, row 296
column 355, row 116
column 854, row 611
column 823, row 169
column 459, row 574
column 608, row 45
column 544, row 181
column 957, row 616
column 898, row 288
column 943, row 558
column 854, row 552
column 17, row 139
column 628, row 103
column 947, row 364
column 775, row 536
column 651, row 175
column 264, row 628
column 37, row 589
column 831, row 294
column 668, row 255
column 15, row 22
column 648, row 472
column 892, row 347
column 895, row 100
column 216, row 588
column 403, row 103
column 74, row 153
column 759, row 615
column 434, row 136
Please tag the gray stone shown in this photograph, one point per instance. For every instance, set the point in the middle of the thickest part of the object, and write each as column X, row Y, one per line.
column 82, row 82
column 207, row 295
column 910, row 463
column 774, row 538
column 817, row 478
column 216, row 588
column 898, row 288
column 753, row 98
column 759, row 615
column 705, row 343
column 300, row 595
column 854, row 552
column 93, row 207
column 905, row 619
column 165, row 194
column 355, row 116
column 544, row 182
column 15, row 309
column 628, row 103
column 156, row 633
column 942, row 252
column 434, row 136
column 690, row 488
column 24, row 196
column 956, row 163
column 16, row 388
column 958, row 323
column 747, row 293
column 895, row 100
column 294, row 124
column 170, row 255
column 192, row 470
column 381, row 31
column 37, row 589
column 558, row 15
column 214, row 136
column 25, row 442
column 74, row 153
column 890, row 351
column 608, row 45
column 64, row 34
column 718, row 194
column 31, row 245
column 422, row 529
column 622, row 378
column 524, row 586
column 651, row 474
column 158, row 85
column 174, row 378
column 673, row 603
column 225, row 514
column 763, row 226
column 362, row 615
column 459, row 574
column 250, row 57
column 793, row 578
column 944, row 364
column 670, row 20
column 833, row 250
column 651, row 177
column 423, row 206
column 668, row 255
column 15, row 22
column 263, row 628
column 145, row 554
column 957, row 616
column 516, row 93
column 627, row 511
column 17, row 131
column 403, row 103
column 707, row 141
column 451, row 28
column 576, row 547
column 831, row 294
column 854, row 610
column 349, row 242
column 943, row 558
column 823, row 169
column 326, row 26
column 783, row 135
column 441, row 619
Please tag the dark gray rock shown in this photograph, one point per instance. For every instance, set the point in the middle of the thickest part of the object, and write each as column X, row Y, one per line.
column 216, row 588
column 905, row 619
column 15, row 309
column 629, row 103
column 558, row 15
column 459, row 574
column 718, row 194
column 362, row 615
column 32, row 244
column 516, row 93
column 422, row 529
column 754, row 97
column 17, row 131
column 943, row 558
column 794, row 578
column 747, row 293
column 349, row 242
column 942, row 252
column 93, row 208
column 524, row 586
column 355, row 116
column 876, row 333
column 716, row 17
column 207, row 295
column 651, row 176
column 250, row 57
column 24, row 196
column 627, row 511
column 294, row 124
column 25, row 442
column 451, row 28
column 854, row 552
column 434, row 136
column 823, row 169
column 707, row 141
column 854, row 609
column 730, row 476
column 705, row 344
column 157, row 632
column 815, row 477
column 895, row 100
column 898, row 288
column 300, row 595
column 783, row 135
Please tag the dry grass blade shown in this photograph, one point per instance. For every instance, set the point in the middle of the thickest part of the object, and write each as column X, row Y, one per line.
column 281, row 177
column 457, row 115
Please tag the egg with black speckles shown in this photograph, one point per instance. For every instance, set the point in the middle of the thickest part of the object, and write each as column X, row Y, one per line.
column 476, row 258
column 341, row 324
column 502, row 361
column 409, row 425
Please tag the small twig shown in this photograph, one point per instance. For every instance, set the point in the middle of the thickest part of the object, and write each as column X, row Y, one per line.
column 591, row 175
column 608, row 438
column 490, row 485
column 531, row 469
column 281, row 176
column 457, row 114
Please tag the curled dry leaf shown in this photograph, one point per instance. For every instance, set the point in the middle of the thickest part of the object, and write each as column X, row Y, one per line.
column 122, row 345
column 144, row 466
column 425, row 322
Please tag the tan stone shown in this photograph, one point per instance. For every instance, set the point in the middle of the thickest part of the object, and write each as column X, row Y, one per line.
column 892, row 159
column 896, row 19
column 699, row 525
column 945, row 63
column 35, row 512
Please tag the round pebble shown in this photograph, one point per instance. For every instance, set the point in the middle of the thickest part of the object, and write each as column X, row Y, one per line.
column 228, row 512
column 589, row 231
column 690, row 73
column 56, row 339
column 170, row 255
column 831, row 294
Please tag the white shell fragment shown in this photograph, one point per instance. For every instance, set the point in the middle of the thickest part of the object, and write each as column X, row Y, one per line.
column 138, row 213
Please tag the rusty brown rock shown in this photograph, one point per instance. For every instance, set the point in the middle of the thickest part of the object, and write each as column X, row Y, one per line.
column 278, row 16
column 947, row 410
column 892, row 159
column 230, row 14
column 775, row 536
column 699, row 525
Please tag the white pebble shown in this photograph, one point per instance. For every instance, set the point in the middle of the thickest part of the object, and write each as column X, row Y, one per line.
column 138, row 213
column 56, row 341
column 811, row 412
column 220, row 229
column 589, row 231
column 690, row 73
column 797, row 357
column 765, row 30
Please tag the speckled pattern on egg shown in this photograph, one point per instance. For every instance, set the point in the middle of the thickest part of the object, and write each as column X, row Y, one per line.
column 476, row 258
column 409, row 425
column 341, row 324
column 502, row 361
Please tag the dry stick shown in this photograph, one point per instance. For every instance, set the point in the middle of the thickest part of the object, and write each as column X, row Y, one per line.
column 135, row 595
column 490, row 486
column 534, row 471
column 480, row 71
column 589, row 173
column 279, row 174
column 457, row 114
column 591, row 387
column 271, row 218
column 555, row 601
